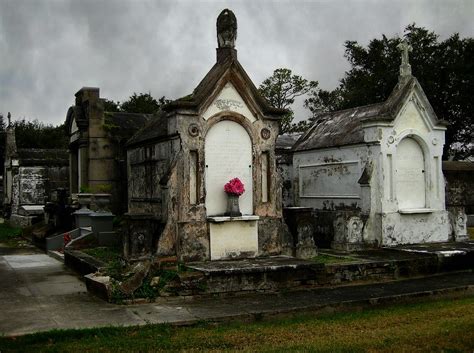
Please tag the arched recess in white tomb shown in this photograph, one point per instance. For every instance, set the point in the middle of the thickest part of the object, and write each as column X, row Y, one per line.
column 410, row 175
column 228, row 155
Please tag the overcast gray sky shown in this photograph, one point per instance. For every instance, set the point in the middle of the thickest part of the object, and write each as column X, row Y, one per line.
column 50, row 49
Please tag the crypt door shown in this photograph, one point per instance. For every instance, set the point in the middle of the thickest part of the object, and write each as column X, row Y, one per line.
column 228, row 155
column 410, row 175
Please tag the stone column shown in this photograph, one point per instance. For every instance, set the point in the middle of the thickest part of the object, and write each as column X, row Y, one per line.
column 83, row 164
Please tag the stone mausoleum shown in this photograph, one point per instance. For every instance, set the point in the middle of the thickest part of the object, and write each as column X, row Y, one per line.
column 373, row 174
column 97, row 157
column 179, row 162
column 31, row 175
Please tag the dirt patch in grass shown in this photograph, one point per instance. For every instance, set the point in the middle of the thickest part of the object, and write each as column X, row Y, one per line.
column 441, row 326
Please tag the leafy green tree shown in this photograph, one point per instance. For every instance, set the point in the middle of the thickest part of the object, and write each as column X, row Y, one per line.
column 281, row 89
column 320, row 101
column 445, row 70
column 142, row 103
column 111, row 106
column 35, row 134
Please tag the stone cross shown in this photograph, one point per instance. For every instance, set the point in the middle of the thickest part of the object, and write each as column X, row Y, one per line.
column 405, row 67
column 405, row 48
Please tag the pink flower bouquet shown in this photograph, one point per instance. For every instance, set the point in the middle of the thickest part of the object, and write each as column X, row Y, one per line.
column 234, row 187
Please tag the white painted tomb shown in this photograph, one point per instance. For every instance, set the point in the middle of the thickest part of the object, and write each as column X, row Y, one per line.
column 381, row 163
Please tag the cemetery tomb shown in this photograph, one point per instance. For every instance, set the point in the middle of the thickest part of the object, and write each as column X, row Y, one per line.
column 180, row 161
column 372, row 174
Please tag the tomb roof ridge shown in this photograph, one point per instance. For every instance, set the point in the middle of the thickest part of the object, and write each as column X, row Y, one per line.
column 344, row 127
column 124, row 125
column 154, row 128
column 337, row 128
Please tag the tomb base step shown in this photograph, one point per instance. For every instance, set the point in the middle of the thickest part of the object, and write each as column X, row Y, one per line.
column 282, row 273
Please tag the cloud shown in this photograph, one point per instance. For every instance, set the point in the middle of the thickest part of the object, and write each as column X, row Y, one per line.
column 50, row 49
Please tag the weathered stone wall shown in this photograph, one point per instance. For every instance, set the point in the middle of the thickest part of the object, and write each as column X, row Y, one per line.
column 34, row 185
column 325, row 227
column 285, row 169
column 58, row 177
column 459, row 185
column 149, row 168
column 327, row 179
column 141, row 236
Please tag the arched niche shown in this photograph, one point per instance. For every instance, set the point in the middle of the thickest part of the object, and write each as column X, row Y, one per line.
column 228, row 155
column 410, row 175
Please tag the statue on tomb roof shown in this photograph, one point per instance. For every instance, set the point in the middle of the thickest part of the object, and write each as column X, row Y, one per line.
column 405, row 67
column 226, row 29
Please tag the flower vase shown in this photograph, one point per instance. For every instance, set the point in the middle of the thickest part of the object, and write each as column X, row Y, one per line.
column 233, row 206
column 84, row 200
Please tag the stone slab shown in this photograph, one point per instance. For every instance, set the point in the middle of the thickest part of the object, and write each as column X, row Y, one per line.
column 20, row 221
column 237, row 239
column 30, row 210
column 250, row 265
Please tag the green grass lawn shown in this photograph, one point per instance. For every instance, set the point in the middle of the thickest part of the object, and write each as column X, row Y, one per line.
column 331, row 259
column 105, row 254
column 10, row 236
column 440, row 326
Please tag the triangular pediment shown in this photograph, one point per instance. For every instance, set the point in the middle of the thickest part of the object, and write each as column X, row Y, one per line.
column 407, row 104
column 416, row 112
column 229, row 100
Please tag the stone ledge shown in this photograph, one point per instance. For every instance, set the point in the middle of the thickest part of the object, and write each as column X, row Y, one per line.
column 82, row 262
column 256, row 265
column 416, row 210
column 141, row 216
column 220, row 219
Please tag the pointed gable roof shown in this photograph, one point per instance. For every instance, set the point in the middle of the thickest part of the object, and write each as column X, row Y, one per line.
column 345, row 127
column 227, row 68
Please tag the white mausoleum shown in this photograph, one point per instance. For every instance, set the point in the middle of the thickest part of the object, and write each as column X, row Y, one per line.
column 378, row 169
